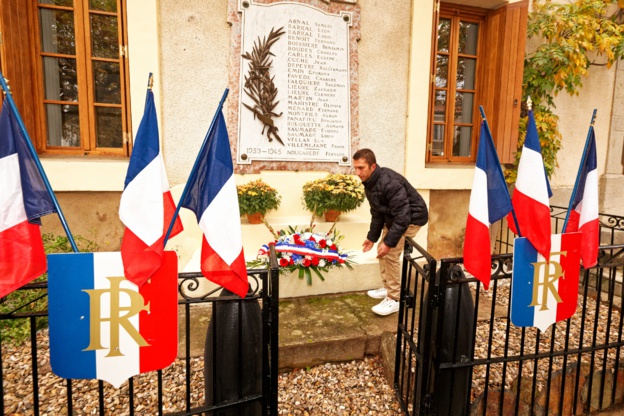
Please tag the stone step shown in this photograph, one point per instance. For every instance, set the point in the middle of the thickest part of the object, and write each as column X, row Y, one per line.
column 315, row 330
column 342, row 327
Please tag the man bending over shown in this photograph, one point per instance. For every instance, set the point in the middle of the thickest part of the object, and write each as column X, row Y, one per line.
column 397, row 211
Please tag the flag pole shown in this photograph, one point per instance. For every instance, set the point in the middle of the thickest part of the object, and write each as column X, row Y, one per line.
column 500, row 170
column 193, row 173
column 35, row 157
column 578, row 174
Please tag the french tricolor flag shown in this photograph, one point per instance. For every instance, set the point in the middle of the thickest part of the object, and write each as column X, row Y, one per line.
column 146, row 207
column 23, row 201
column 212, row 196
column 584, row 206
column 489, row 202
column 530, row 197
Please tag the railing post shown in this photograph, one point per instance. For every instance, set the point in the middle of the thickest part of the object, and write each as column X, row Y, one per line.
column 274, row 330
column 426, row 339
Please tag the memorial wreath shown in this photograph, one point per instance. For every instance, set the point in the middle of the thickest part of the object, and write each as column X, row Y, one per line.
column 305, row 251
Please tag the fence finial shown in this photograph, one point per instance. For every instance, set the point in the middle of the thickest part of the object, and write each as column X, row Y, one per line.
column 6, row 81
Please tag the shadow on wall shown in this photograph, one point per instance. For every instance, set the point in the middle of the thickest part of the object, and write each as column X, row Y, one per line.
column 91, row 215
column 448, row 211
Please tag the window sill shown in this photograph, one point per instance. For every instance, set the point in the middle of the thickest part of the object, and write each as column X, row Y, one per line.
column 85, row 174
column 450, row 165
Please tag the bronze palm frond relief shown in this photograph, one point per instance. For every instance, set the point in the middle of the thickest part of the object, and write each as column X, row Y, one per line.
column 259, row 85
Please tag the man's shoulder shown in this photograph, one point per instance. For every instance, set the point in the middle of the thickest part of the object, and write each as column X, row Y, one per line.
column 389, row 172
column 391, row 175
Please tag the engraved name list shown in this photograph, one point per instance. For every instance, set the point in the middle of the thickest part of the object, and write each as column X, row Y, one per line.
column 310, row 70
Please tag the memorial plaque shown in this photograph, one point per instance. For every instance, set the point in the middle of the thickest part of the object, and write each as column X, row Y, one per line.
column 294, row 84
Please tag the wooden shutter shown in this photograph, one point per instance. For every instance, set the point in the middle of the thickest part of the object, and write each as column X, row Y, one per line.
column 17, row 59
column 502, row 83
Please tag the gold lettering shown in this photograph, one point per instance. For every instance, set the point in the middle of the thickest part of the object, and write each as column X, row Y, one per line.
column 549, row 280
column 116, row 318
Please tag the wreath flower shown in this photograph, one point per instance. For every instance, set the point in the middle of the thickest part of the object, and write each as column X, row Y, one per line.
column 305, row 251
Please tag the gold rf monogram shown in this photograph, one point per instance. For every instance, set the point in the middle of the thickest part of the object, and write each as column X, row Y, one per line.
column 551, row 275
column 116, row 318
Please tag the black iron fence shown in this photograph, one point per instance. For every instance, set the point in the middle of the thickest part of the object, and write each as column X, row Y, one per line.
column 611, row 230
column 458, row 352
column 227, row 359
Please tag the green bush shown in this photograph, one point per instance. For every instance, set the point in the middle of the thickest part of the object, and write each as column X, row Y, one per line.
column 33, row 300
column 257, row 196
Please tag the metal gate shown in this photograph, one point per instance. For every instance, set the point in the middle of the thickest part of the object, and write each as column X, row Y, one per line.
column 30, row 387
column 458, row 353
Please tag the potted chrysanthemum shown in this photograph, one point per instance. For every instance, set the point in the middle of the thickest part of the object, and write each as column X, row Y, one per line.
column 255, row 199
column 332, row 195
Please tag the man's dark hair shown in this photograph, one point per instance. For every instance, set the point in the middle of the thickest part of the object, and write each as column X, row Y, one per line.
column 367, row 155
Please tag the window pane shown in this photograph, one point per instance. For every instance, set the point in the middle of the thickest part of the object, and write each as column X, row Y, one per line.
column 437, row 146
column 466, row 69
column 104, row 36
column 444, row 34
column 439, row 109
column 61, row 82
column 58, row 2
column 104, row 5
column 57, row 31
column 468, row 36
column 107, row 82
column 463, row 107
column 441, row 71
column 462, row 141
column 63, row 125
column 108, row 127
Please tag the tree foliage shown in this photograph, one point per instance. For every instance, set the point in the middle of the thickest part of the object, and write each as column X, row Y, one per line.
column 575, row 35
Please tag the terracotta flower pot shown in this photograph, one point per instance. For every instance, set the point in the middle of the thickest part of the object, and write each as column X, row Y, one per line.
column 331, row 215
column 255, row 218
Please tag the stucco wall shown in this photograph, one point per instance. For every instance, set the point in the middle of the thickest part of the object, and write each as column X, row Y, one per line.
column 574, row 117
column 194, row 45
column 91, row 216
column 384, row 58
column 612, row 182
column 447, row 223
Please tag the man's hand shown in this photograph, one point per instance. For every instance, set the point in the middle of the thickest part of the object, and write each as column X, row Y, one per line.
column 382, row 250
column 367, row 245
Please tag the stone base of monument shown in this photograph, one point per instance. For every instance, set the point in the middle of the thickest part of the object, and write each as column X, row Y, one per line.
column 365, row 273
column 353, row 226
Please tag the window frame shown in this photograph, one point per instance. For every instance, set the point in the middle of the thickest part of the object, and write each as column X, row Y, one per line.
column 85, row 81
column 456, row 14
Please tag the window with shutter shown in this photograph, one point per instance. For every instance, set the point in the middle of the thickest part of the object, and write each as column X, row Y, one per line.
column 16, row 62
column 78, row 72
column 478, row 60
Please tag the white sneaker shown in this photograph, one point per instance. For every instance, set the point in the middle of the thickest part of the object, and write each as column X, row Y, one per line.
column 386, row 307
column 380, row 293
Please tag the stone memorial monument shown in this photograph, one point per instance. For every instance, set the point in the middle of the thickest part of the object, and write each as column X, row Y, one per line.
column 296, row 85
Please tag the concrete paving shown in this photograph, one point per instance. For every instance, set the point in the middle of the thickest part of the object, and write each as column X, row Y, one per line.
column 342, row 327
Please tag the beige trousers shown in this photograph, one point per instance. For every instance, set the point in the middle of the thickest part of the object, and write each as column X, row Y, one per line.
column 390, row 264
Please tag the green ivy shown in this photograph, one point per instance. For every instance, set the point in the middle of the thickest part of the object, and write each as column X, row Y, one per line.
column 575, row 35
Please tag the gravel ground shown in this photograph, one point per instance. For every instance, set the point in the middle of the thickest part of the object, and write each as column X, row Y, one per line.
column 353, row 388
column 601, row 325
